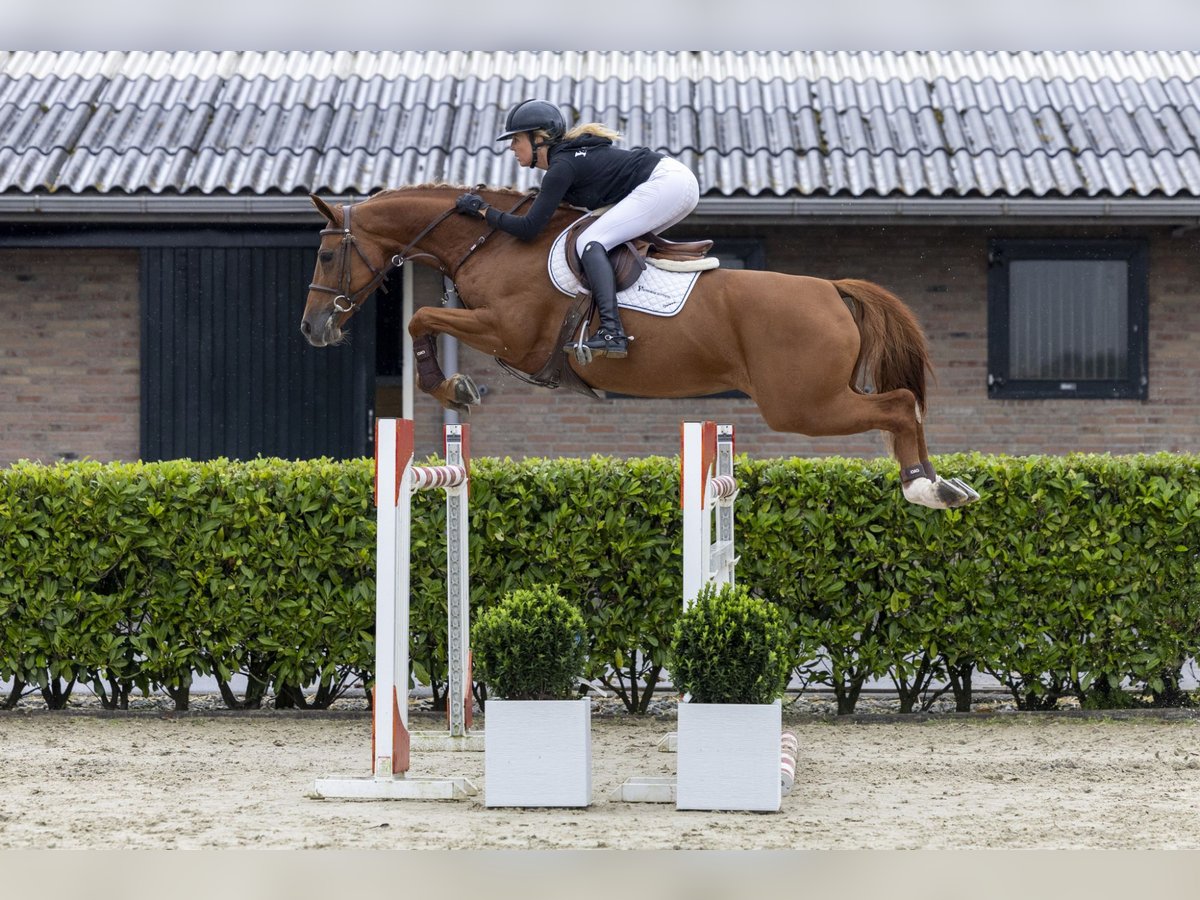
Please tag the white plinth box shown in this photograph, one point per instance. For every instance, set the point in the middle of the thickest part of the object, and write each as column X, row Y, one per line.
column 538, row 753
column 728, row 756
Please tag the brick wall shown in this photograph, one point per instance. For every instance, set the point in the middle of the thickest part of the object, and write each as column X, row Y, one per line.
column 941, row 272
column 69, row 354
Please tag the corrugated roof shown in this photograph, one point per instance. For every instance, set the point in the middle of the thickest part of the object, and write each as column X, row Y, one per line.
column 936, row 124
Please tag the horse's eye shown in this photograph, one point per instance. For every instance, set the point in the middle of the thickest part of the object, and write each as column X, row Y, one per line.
column 325, row 256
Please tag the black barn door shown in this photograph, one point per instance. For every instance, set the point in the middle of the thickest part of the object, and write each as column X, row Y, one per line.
column 225, row 370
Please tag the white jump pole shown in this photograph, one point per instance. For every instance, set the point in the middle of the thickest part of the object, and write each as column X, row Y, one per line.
column 396, row 478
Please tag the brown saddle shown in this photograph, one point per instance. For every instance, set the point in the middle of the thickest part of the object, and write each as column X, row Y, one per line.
column 629, row 259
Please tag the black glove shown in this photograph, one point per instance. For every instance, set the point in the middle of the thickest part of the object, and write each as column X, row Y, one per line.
column 470, row 205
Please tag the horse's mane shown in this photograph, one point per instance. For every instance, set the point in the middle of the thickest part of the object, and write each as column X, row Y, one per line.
column 434, row 185
column 516, row 196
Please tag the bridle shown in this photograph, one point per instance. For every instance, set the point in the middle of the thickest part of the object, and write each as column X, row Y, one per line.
column 353, row 300
column 342, row 293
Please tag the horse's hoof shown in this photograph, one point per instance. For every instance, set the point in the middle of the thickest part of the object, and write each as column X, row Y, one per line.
column 949, row 493
column 940, row 494
column 923, row 492
column 954, row 492
column 463, row 391
column 971, row 494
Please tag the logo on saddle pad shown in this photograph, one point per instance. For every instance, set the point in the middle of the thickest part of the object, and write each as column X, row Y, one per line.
column 658, row 292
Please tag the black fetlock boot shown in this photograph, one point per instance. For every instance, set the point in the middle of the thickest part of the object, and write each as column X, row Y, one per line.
column 610, row 339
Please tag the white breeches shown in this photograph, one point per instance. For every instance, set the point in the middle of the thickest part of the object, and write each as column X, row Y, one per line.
column 666, row 197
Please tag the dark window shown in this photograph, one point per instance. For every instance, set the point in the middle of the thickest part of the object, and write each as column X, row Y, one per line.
column 1067, row 319
column 739, row 253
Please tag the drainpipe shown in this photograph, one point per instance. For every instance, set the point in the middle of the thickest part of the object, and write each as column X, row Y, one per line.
column 408, row 367
column 449, row 350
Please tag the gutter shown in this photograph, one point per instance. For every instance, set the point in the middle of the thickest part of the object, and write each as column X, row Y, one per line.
column 62, row 208
column 145, row 208
column 949, row 210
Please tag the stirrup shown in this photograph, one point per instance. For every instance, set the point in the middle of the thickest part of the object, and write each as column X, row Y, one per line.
column 604, row 344
column 581, row 351
column 613, row 345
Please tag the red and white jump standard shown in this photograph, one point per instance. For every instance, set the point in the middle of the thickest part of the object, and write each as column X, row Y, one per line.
column 396, row 479
column 706, row 485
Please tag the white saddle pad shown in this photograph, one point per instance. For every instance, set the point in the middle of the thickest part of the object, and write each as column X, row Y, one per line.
column 658, row 292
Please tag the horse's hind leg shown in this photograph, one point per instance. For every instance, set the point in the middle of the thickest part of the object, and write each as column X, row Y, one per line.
column 895, row 413
column 918, row 480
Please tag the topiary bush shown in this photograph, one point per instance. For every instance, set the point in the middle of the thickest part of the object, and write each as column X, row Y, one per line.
column 730, row 647
column 532, row 645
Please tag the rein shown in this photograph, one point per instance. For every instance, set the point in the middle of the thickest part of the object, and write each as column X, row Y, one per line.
column 355, row 299
column 479, row 242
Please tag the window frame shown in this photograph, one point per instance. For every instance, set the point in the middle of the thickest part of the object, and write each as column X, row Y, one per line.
column 1001, row 252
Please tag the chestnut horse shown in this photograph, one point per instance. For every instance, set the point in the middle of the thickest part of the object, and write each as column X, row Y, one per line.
column 795, row 345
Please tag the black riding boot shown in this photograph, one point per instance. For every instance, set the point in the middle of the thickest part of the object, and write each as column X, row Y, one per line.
column 610, row 339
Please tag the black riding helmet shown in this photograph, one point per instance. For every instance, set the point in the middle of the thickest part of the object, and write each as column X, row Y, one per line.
column 534, row 115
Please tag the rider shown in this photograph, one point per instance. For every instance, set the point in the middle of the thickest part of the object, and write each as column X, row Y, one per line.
column 646, row 192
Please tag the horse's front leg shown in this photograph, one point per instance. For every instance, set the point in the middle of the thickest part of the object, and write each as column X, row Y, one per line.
column 458, row 391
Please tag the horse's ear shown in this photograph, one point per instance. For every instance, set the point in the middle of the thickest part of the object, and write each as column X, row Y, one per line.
column 325, row 209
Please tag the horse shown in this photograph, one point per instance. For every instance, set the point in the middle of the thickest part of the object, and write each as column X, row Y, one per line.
column 798, row 346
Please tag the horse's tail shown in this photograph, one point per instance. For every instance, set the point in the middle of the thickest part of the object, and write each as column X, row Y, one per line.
column 893, row 351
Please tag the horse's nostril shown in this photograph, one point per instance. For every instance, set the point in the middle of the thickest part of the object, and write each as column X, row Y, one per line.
column 305, row 328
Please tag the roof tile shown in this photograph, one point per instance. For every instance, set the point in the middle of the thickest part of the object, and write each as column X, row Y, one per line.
column 955, row 123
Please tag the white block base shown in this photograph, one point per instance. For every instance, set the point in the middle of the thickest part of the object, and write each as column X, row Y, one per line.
column 646, row 789
column 668, row 743
column 538, row 753
column 728, row 756
column 394, row 788
column 443, row 742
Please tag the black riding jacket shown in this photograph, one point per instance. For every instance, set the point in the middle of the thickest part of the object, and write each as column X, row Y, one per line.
column 589, row 172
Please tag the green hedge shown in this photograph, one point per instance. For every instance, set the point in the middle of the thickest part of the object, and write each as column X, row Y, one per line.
column 1071, row 575
column 1069, row 569
column 144, row 574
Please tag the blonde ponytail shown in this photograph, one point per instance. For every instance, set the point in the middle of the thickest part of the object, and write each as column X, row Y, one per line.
column 592, row 128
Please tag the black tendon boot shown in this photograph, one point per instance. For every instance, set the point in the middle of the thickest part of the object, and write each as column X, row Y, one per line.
column 610, row 339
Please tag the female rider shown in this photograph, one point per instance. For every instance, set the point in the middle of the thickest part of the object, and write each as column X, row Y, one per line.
column 646, row 192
